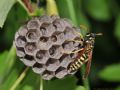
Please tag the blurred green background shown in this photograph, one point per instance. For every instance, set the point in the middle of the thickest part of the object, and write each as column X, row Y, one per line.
column 98, row 15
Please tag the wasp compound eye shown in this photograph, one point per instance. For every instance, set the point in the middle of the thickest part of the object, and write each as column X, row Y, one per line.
column 41, row 43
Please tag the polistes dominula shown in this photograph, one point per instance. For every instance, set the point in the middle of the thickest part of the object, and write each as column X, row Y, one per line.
column 85, row 54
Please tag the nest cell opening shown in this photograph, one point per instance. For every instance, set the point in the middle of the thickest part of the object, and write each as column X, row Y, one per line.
column 30, row 47
column 44, row 39
column 54, row 38
column 40, row 54
column 33, row 34
column 20, row 41
column 28, row 57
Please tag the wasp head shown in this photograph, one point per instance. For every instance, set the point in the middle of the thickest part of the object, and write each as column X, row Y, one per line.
column 90, row 38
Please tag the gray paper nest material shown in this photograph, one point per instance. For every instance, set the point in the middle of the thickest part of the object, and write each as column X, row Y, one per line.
column 40, row 44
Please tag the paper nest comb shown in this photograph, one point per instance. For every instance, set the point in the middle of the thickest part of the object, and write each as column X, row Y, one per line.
column 40, row 44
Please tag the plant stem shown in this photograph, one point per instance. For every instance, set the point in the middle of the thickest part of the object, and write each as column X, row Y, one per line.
column 27, row 6
column 85, row 81
column 20, row 78
column 71, row 11
column 52, row 7
column 41, row 83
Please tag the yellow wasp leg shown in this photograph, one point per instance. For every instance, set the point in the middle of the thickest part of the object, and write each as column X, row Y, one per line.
column 75, row 41
column 79, row 34
column 70, row 52
column 84, row 27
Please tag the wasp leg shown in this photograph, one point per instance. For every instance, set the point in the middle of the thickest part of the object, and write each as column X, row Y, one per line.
column 79, row 34
column 70, row 52
column 88, row 65
column 84, row 27
column 75, row 41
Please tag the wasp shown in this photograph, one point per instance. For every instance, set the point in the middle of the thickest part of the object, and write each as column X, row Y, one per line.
column 84, row 55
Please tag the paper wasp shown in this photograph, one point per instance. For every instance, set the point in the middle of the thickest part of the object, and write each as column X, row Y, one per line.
column 84, row 54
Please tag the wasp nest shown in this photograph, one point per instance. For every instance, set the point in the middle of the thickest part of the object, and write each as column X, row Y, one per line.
column 42, row 44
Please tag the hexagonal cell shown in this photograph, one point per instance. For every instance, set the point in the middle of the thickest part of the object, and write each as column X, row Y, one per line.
column 54, row 17
column 67, row 22
column 58, row 38
column 16, row 35
column 55, row 51
column 61, row 72
column 52, row 64
column 41, row 56
column 33, row 35
column 59, row 25
column 30, row 48
column 20, row 41
column 73, row 56
column 22, row 30
column 44, row 39
column 38, row 68
column 48, row 75
column 45, row 18
column 20, row 52
column 33, row 24
column 53, row 38
column 68, row 46
column 44, row 43
column 70, row 33
column 28, row 60
column 47, row 29
column 78, row 46
column 65, row 60
column 77, row 31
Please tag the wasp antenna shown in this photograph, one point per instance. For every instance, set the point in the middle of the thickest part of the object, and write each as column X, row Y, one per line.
column 84, row 27
column 98, row 34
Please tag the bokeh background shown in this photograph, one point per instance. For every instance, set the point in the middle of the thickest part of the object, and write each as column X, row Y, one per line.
column 97, row 15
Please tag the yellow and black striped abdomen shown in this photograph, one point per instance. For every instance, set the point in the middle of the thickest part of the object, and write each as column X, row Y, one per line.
column 76, row 64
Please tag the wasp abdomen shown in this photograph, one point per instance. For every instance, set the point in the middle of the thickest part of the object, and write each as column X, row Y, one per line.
column 76, row 64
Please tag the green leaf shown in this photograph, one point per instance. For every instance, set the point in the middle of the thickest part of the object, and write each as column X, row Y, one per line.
column 10, row 79
column 67, row 10
column 68, row 83
column 6, row 58
column 16, row 17
column 2, row 66
column 80, row 88
column 118, row 88
column 5, row 6
column 111, row 73
column 117, row 27
column 30, row 82
column 27, row 87
column 99, row 9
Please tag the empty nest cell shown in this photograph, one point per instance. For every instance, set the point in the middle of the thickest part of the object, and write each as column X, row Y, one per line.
column 33, row 24
column 28, row 60
column 48, row 75
column 42, row 56
column 55, row 51
column 38, row 68
column 33, row 35
column 52, row 64
column 30, row 48
column 20, row 41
